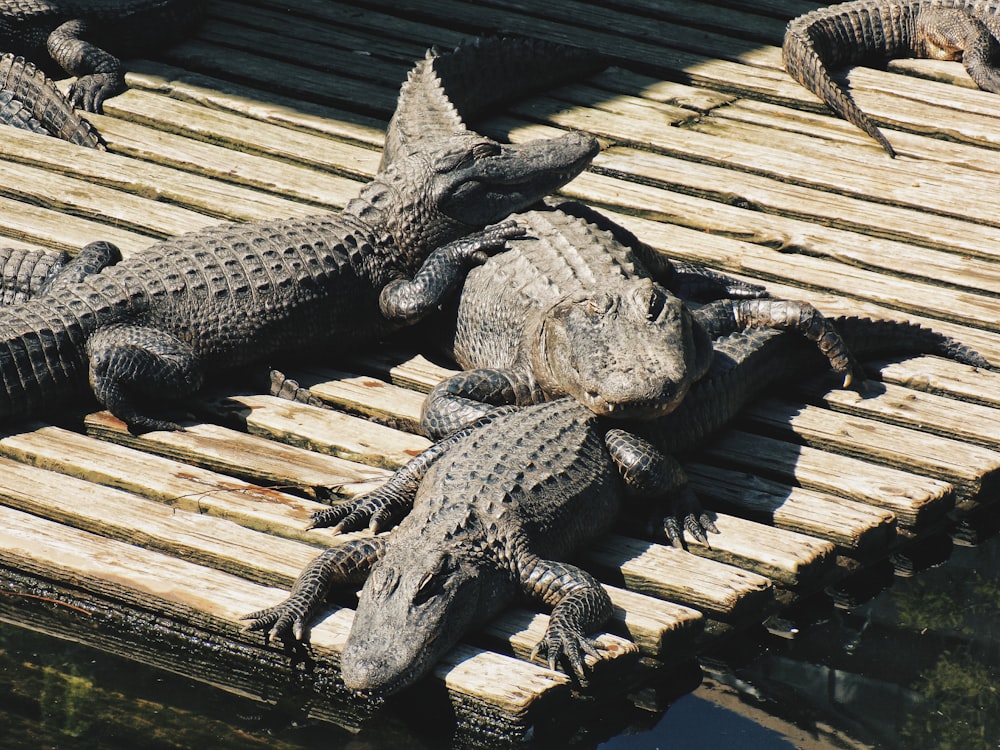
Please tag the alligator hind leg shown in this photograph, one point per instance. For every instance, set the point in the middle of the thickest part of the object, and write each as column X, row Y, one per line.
column 650, row 473
column 729, row 316
column 99, row 73
column 953, row 34
column 91, row 259
column 130, row 362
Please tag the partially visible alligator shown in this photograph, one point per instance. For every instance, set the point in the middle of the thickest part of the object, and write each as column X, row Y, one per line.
column 30, row 101
column 75, row 33
column 488, row 512
column 151, row 326
column 873, row 30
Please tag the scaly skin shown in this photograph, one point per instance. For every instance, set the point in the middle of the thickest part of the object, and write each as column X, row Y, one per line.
column 152, row 326
column 865, row 30
column 490, row 514
column 75, row 33
column 487, row 512
column 30, row 101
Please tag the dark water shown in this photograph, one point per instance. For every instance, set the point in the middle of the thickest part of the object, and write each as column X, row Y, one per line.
column 917, row 667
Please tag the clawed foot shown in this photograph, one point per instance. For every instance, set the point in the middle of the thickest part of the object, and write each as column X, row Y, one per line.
column 89, row 92
column 686, row 514
column 478, row 246
column 568, row 645
column 377, row 510
column 282, row 620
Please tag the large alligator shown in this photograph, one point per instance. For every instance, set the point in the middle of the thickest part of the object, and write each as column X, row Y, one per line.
column 154, row 324
column 30, row 101
column 874, row 30
column 491, row 511
column 75, row 33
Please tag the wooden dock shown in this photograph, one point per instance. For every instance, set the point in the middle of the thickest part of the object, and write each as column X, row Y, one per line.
column 153, row 546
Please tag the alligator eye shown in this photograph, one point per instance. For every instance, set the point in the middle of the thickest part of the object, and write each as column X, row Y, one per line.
column 656, row 302
column 485, row 149
column 600, row 304
column 426, row 588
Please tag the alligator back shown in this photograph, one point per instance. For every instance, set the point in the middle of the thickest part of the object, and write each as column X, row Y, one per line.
column 30, row 101
column 540, row 475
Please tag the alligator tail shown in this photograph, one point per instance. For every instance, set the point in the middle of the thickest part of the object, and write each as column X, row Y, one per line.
column 748, row 362
column 805, row 64
column 866, row 337
column 43, row 360
column 30, row 100
column 446, row 89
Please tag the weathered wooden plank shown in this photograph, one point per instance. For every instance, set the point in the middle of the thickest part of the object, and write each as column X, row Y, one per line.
column 321, row 430
column 178, row 484
column 858, row 529
column 914, row 499
column 226, row 165
column 248, row 457
column 363, row 395
column 942, row 376
column 658, row 627
column 149, row 580
column 927, row 412
column 42, row 227
column 255, row 102
column 722, row 591
column 170, row 186
column 401, row 368
column 234, row 133
column 969, row 468
column 787, row 557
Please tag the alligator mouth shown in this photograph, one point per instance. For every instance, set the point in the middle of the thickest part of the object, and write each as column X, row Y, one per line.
column 641, row 409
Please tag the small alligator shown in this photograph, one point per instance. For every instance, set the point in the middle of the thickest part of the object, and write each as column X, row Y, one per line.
column 872, row 30
column 74, row 33
column 151, row 326
column 488, row 512
column 30, row 101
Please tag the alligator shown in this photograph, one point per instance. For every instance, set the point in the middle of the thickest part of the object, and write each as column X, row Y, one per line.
column 73, row 33
column 872, row 30
column 490, row 511
column 29, row 100
column 549, row 316
column 152, row 325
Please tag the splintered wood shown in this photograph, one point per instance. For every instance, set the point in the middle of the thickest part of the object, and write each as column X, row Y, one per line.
column 154, row 545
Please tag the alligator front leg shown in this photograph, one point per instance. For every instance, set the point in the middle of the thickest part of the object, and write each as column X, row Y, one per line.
column 729, row 316
column 99, row 74
column 347, row 563
column 129, row 362
column 650, row 473
column 406, row 302
column 579, row 606
column 92, row 258
column 26, row 274
column 463, row 398
column 387, row 504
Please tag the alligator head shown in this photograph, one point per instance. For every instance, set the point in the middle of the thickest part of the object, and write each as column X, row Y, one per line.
column 461, row 183
column 415, row 606
column 630, row 352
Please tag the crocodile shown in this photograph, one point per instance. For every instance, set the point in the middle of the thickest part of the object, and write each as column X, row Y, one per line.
column 29, row 100
column 494, row 510
column 74, row 33
column 152, row 325
column 873, row 30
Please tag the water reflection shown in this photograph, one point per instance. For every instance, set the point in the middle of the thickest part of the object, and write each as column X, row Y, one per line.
column 916, row 667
